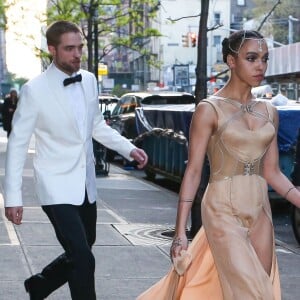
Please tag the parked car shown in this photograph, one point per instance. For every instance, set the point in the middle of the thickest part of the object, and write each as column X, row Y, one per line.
column 107, row 102
column 295, row 212
column 122, row 117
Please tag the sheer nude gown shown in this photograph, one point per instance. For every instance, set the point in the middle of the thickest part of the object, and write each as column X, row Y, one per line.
column 233, row 254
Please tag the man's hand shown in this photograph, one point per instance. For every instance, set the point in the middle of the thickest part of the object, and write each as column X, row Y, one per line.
column 140, row 156
column 14, row 214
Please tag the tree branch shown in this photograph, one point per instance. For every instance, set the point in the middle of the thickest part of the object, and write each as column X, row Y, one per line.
column 214, row 27
column 186, row 17
column 267, row 16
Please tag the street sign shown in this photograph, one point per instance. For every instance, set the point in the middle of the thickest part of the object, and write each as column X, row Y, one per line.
column 102, row 70
column 181, row 75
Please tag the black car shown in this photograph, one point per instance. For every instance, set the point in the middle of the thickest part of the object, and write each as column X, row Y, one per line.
column 122, row 118
column 107, row 102
column 295, row 212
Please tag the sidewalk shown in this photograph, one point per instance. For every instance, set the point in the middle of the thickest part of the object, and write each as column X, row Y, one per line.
column 131, row 251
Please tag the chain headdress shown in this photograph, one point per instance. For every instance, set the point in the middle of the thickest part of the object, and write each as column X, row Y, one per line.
column 260, row 42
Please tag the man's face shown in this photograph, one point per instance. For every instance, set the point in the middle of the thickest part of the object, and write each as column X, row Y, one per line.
column 67, row 54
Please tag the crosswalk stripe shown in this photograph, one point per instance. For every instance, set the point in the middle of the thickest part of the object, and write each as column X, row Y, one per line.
column 12, row 235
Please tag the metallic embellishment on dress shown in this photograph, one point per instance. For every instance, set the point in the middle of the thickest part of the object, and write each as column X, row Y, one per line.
column 248, row 168
column 247, row 108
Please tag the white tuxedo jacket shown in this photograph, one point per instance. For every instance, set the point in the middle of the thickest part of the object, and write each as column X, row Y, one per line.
column 63, row 160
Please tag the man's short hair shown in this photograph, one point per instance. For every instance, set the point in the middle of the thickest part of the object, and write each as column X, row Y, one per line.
column 57, row 29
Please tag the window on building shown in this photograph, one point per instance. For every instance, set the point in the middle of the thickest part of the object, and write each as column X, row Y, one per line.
column 217, row 44
column 217, row 18
column 240, row 2
column 217, row 40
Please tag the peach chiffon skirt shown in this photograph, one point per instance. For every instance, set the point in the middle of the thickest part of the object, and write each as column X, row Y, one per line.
column 200, row 281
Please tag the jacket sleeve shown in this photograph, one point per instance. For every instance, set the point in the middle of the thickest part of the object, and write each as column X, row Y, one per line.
column 23, row 125
column 108, row 136
column 111, row 138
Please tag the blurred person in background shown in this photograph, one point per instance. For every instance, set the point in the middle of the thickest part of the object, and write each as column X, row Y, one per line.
column 9, row 108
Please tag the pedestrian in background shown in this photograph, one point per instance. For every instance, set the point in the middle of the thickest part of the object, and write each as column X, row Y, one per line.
column 60, row 107
column 233, row 255
column 9, row 108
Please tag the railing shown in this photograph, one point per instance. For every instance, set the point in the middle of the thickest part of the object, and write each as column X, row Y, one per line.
column 167, row 152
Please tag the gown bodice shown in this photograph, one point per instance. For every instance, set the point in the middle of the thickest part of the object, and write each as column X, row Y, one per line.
column 235, row 149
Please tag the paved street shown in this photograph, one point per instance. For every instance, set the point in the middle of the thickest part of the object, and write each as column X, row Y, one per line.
column 131, row 250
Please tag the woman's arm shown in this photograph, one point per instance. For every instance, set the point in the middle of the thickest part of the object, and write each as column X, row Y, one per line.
column 203, row 124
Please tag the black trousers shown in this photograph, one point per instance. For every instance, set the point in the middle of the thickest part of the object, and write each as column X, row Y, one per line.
column 75, row 228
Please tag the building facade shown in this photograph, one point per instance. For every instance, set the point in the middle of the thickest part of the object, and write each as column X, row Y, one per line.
column 3, row 68
column 283, row 73
column 178, row 22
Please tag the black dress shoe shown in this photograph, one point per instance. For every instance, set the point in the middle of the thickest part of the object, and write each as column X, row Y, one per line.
column 34, row 286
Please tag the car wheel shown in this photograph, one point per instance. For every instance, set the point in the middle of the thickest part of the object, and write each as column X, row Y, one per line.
column 150, row 174
column 296, row 222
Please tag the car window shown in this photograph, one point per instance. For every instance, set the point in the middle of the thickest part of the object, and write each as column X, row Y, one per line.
column 117, row 110
column 130, row 105
column 125, row 105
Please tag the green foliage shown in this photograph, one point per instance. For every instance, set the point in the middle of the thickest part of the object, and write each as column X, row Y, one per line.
column 119, row 91
column 3, row 7
column 278, row 21
column 14, row 80
column 118, row 24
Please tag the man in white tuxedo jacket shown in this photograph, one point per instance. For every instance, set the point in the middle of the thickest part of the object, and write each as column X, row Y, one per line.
column 60, row 107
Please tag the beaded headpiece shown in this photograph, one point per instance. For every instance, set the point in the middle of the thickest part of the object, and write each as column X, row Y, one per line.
column 260, row 42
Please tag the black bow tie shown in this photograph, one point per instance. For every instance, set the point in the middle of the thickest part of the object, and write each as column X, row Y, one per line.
column 74, row 79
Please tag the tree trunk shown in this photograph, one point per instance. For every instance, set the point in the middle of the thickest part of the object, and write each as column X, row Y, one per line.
column 90, row 44
column 201, row 68
column 200, row 93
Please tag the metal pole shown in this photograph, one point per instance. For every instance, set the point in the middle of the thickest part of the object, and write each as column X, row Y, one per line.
column 96, row 54
column 291, row 31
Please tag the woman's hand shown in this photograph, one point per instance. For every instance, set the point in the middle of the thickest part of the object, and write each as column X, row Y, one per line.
column 179, row 243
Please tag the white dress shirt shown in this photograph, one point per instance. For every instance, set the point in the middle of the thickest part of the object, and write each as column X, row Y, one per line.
column 75, row 96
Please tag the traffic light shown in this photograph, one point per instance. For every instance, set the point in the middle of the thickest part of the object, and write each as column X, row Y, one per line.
column 185, row 40
column 193, row 37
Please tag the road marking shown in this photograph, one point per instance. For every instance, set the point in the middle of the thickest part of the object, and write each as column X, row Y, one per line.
column 12, row 235
column 284, row 251
column 118, row 219
column 286, row 247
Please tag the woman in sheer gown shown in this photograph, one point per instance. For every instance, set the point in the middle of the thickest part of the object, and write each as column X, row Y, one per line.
column 233, row 255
